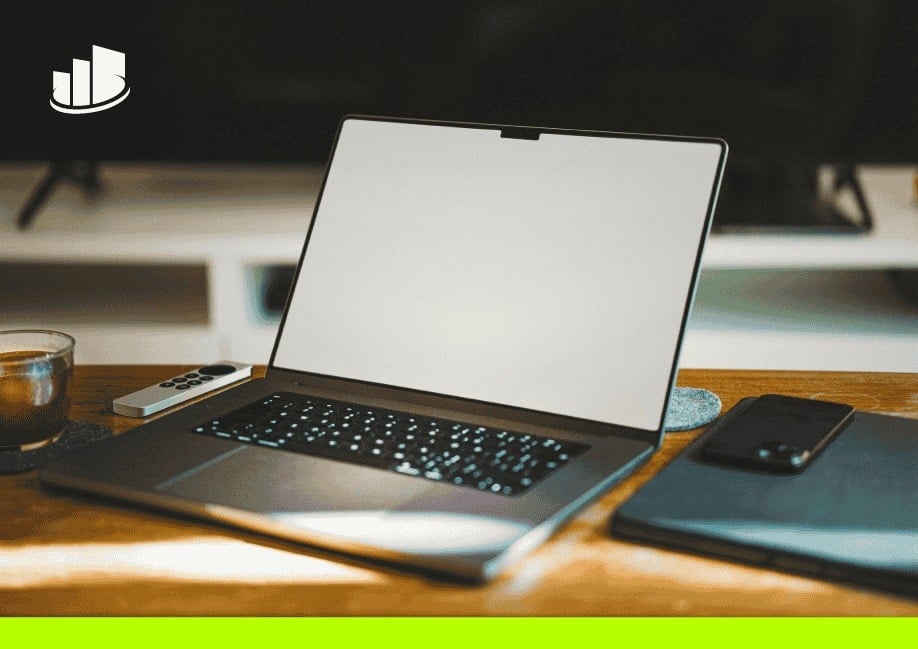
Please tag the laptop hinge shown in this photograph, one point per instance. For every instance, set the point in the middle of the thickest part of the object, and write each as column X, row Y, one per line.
column 398, row 398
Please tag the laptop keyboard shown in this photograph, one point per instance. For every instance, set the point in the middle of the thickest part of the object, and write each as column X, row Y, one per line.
column 488, row 459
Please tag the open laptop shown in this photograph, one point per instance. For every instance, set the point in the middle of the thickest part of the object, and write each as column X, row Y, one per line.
column 482, row 336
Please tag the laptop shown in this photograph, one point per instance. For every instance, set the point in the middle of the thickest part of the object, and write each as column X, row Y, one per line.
column 482, row 336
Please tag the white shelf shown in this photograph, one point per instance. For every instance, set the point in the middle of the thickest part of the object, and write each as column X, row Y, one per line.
column 164, row 214
column 801, row 320
column 179, row 213
column 114, row 344
column 228, row 219
column 231, row 220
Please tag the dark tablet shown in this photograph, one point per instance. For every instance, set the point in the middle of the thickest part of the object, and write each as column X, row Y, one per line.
column 852, row 515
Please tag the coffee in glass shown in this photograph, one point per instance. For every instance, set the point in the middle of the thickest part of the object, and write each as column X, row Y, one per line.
column 36, row 369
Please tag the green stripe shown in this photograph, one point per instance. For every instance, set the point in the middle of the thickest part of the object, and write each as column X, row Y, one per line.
column 464, row 633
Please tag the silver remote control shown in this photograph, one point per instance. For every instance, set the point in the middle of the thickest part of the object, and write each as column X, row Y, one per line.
column 180, row 388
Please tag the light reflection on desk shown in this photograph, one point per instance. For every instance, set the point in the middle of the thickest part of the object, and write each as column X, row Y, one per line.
column 201, row 558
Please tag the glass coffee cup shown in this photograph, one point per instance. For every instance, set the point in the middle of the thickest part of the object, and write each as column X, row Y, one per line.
column 36, row 372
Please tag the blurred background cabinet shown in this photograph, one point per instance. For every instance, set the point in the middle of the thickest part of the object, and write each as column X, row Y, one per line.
column 190, row 263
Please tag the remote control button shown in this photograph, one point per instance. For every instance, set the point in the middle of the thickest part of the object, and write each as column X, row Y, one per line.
column 179, row 379
column 217, row 370
column 194, row 382
column 191, row 375
column 182, row 386
column 204, row 377
column 166, row 384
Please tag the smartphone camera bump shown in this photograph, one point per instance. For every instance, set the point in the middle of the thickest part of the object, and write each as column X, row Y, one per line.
column 780, row 452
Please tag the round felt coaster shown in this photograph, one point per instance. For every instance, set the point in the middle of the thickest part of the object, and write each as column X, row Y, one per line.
column 690, row 408
column 76, row 434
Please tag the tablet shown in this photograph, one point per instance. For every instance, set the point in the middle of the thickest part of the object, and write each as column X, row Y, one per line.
column 852, row 515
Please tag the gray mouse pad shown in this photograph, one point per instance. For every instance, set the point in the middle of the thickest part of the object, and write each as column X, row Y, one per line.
column 691, row 408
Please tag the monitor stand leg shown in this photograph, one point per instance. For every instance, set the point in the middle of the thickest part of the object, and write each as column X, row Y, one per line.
column 84, row 174
column 844, row 177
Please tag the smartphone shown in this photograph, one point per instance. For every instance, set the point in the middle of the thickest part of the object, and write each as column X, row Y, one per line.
column 778, row 433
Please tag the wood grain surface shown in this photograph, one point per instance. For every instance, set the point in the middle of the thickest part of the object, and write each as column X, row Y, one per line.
column 65, row 554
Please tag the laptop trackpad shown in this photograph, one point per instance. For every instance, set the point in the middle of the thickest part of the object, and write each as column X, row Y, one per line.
column 263, row 480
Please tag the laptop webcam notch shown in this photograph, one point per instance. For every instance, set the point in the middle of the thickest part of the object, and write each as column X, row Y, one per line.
column 517, row 133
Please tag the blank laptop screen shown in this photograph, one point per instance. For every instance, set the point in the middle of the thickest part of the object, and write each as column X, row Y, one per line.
column 549, row 274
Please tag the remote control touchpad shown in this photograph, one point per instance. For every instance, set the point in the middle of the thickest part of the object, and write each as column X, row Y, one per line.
column 216, row 370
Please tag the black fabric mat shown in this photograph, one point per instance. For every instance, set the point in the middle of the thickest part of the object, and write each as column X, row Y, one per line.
column 76, row 434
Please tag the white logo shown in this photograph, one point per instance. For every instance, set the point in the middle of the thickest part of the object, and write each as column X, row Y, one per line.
column 91, row 86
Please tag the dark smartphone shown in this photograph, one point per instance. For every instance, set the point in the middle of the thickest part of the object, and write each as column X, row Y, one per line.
column 778, row 433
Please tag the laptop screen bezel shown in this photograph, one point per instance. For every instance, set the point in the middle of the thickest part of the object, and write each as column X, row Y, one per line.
column 358, row 388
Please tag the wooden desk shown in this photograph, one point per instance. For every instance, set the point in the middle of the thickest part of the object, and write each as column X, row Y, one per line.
column 67, row 554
